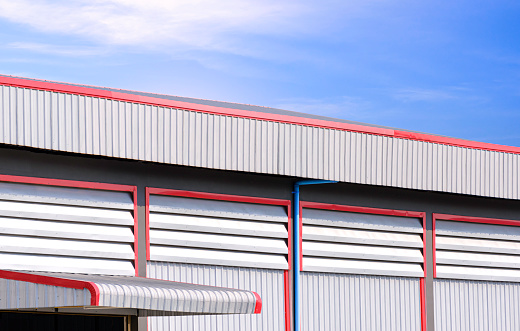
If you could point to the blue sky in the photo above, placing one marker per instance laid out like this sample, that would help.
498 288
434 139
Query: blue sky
443 67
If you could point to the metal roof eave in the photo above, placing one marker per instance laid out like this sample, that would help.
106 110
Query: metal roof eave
119 295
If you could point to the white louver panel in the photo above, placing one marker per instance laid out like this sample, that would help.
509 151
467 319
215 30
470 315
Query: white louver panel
466 250
61 229
355 243
201 231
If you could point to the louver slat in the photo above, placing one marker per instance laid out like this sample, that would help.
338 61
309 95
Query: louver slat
361 243
62 229
217 232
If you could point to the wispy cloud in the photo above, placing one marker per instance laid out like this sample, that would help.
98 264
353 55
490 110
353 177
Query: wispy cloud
188 24
419 94
75 51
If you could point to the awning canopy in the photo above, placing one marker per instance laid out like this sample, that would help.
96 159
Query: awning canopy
119 295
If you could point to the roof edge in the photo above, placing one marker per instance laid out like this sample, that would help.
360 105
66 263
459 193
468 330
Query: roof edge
126 97
54 281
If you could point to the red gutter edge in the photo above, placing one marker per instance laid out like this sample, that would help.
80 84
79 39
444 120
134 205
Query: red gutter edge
258 304
127 97
54 281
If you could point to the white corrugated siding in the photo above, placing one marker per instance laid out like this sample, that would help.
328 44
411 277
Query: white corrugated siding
19 295
466 250
59 229
462 305
217 232
81 124
356 243
356 302
269 284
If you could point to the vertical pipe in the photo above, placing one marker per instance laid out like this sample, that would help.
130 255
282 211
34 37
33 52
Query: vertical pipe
296 247
296 256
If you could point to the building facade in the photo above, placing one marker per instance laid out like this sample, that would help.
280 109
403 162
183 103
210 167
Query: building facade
417 232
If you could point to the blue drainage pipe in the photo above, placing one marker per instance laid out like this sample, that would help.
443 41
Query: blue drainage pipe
296 246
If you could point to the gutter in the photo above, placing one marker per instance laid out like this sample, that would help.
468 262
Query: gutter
297 246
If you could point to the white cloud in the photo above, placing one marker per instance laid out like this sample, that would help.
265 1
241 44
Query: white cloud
59 50
188 24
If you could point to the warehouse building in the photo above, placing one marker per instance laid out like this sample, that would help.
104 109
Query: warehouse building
124 210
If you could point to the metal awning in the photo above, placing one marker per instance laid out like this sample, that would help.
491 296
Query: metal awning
119 295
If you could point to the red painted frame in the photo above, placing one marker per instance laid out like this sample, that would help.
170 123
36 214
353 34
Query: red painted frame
87 185
459 218
128 97
376 211
234 198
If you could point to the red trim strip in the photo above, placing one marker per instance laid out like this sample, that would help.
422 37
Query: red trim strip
287 302
147 223
67 183
258 304
434 246
136 234
287 295
423 304
363 210
290 234
55 281
216 196
300 235
425 267
127 97
458 218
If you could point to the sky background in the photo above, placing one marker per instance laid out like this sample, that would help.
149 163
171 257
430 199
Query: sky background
444 67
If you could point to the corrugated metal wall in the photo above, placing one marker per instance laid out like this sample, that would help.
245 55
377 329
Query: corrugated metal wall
357 302
21 295
59 229
463 305
119 129
269 284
